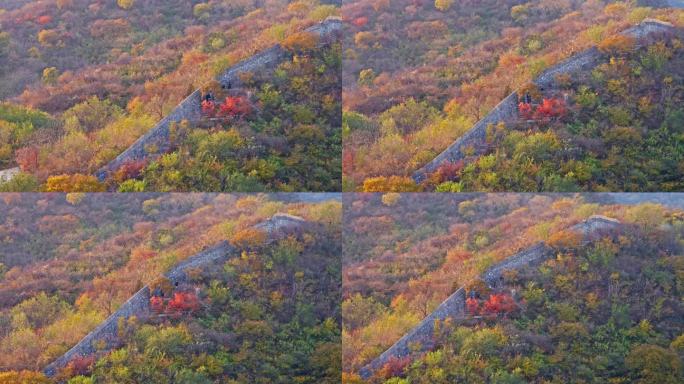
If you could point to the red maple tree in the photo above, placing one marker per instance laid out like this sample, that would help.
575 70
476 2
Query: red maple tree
45 19
183 302
395 366
209 108
235 106
498 303
472 306
131 169
360 21
550 108
81 365
157 304
525 110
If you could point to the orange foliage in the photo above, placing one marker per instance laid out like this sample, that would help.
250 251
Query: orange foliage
235 106
565 239
446 171
183 302
248 238
395 366
74 183
45 19
550 108
617 44
300 42
472 306
130 170
360 21
27 158
81 365
500 303
157 304
209 108
525 110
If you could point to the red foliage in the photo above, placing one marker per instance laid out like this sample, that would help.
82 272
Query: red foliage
472 306
130 170
395 366
27 158
81 365
208 108
348 160
45 19
183 302
157 304
360 21
448 171
498 303
525 110
237 106
550 108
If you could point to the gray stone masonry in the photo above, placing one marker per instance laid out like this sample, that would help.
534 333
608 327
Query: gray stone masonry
454 307
138 304
280 222
507 110
157 141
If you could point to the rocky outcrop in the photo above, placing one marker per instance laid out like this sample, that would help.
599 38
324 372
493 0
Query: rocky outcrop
474 140
421 337
104 337
158 139
8 174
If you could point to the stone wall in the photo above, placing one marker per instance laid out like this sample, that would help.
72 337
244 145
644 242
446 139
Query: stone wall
211 255
139 304
157 140
507 110
474 139
328 31
454 306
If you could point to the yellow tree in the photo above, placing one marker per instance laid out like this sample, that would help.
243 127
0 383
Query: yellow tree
125 4
443 5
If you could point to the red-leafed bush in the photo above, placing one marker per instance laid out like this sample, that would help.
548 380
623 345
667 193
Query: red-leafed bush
395 366
360 21
27 159
525 110
183 302
236 106
498 304
45 19
550 108
209 108
472 306
81 365
348 160
130 170
447 171
157 304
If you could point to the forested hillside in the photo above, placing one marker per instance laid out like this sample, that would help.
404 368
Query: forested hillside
69 261
616 128
405 254
419 74
83 79
286 137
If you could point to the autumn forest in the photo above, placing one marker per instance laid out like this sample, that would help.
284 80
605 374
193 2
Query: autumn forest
341 191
